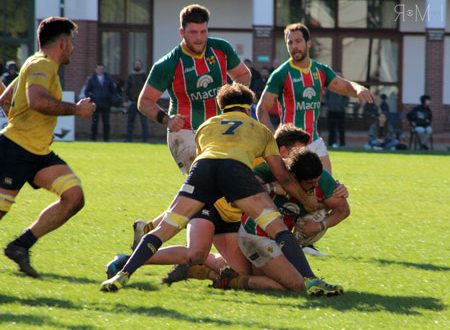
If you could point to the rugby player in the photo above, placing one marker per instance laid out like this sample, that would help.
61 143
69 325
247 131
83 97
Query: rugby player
192 73
25 154
226 146
298 85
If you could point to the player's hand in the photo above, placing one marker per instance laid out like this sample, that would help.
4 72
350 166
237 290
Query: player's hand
311 204
85 108
308 226
364 95
175 123
340 191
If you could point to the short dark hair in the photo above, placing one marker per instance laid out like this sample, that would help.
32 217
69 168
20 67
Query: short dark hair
52 27
297 27
304 164
423 98
235 94
288 135
194 14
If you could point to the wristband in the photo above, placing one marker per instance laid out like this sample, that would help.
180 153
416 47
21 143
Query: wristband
160 116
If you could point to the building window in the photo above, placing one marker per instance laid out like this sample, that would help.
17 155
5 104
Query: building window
370 59
111 52
16 31
372 14
125 32
318 13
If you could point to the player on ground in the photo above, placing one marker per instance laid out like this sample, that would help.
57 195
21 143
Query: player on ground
298 85
256 243
263 252
25 155
226 146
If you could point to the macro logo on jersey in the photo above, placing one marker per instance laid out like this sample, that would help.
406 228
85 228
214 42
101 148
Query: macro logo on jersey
292 207
204 81
309 93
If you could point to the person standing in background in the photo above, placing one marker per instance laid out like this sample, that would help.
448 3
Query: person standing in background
100 88
133 87
336 105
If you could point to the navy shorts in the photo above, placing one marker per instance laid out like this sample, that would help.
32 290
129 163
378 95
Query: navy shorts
18 165
220 226
211 179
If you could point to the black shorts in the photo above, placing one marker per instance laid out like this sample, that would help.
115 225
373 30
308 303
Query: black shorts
220 226
211 179
18 165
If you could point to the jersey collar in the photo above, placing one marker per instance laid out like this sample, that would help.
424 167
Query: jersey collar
189 53
302 70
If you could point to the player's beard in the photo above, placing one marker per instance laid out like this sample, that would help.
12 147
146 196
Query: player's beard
299 56
66 57
195 48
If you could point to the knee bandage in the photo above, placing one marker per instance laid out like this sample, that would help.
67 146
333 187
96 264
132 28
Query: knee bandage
266 217
175 220
6 201
64 183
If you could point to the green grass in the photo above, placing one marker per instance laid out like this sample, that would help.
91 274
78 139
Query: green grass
391 255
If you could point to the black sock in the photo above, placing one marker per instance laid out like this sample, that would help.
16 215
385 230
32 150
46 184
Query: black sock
294 253
146 248
26 240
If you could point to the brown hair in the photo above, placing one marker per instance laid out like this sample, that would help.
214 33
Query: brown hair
297 27
194 14
288 135
234 94
52 27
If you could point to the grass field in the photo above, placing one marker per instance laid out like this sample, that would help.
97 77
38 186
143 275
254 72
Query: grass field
391 255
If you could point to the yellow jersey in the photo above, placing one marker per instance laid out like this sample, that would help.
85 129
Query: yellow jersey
27 127
234 135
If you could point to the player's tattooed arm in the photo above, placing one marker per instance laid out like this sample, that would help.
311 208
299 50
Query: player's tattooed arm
40 100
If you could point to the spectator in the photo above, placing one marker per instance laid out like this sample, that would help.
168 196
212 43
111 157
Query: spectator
135 82
336 105
420 119
11 73
256 84
382 135
384 106
100 88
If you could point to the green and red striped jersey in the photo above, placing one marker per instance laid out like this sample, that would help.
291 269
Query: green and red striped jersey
290 208
300 93
193 81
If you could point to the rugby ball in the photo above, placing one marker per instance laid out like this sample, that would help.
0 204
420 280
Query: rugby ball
317 216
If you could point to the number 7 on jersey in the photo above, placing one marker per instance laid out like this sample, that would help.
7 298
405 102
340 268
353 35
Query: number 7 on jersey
234 124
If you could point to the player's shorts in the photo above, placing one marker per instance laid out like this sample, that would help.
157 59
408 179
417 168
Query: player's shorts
220 226
211 179
18 166
318 147
182 147
258 249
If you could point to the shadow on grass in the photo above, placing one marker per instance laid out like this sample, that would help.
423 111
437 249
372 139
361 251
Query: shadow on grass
362 302
67 278
118 308
20 319
176 315
413 265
